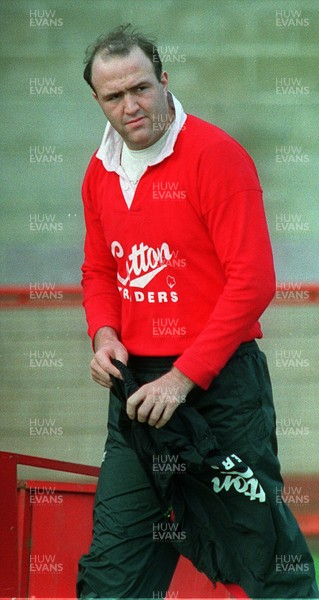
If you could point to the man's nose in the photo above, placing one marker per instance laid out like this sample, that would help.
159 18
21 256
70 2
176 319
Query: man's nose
130 104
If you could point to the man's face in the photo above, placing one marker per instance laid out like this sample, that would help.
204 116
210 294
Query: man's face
132 98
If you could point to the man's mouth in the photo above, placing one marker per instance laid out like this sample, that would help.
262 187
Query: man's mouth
135 121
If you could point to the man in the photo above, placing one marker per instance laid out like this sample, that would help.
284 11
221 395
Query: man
178 269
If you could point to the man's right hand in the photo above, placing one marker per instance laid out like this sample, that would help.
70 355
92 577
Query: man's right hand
107 346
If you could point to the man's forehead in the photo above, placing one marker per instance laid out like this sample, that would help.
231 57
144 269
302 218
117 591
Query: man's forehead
121 67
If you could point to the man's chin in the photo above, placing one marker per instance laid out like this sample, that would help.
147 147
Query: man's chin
140 140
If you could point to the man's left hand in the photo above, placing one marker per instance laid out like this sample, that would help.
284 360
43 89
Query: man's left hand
155 402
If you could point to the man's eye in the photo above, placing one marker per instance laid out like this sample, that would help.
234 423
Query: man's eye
112 98
141 88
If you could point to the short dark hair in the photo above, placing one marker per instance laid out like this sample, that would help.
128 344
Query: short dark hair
119 42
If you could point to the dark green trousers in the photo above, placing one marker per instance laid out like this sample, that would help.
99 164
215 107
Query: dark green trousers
126 559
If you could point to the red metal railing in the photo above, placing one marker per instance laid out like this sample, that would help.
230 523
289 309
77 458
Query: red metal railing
53 295
12 575
45 295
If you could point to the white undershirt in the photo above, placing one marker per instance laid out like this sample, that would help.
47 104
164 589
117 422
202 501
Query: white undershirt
135 163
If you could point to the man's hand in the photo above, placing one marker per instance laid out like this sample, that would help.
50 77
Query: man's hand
155 402
107 346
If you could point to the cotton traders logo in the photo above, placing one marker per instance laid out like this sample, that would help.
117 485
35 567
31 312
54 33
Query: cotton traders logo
142 259
233 473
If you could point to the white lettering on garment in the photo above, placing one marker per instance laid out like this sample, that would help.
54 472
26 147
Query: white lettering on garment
144 262
243 480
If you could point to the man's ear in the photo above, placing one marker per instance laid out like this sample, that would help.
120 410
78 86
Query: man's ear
94 95
164 80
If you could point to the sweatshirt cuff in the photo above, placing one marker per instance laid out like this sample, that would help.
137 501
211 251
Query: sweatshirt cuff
195 369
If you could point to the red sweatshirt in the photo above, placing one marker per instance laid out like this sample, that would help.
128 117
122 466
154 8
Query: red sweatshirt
188 269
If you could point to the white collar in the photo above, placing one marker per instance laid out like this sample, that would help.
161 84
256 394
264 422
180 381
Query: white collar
110 149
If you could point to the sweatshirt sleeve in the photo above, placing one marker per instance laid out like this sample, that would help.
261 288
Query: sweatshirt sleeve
101 298
238 229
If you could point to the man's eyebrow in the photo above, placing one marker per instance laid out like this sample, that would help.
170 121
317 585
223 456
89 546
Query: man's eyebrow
142 82
132 87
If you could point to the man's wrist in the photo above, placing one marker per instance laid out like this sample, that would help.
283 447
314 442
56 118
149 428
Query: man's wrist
183 380
103 336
